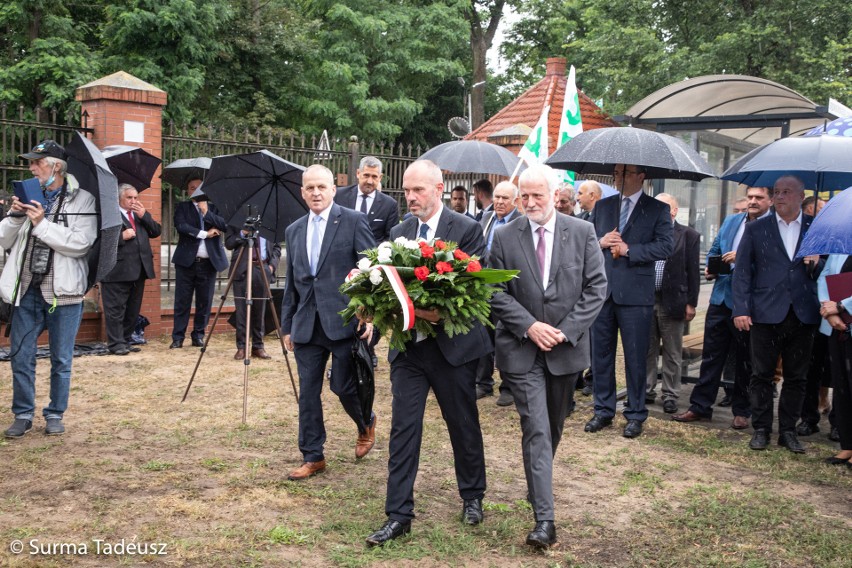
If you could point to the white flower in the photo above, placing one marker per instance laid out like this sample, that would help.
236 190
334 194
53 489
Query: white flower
411 245
401 241
385 255
376 277
386 244
352 274
364 264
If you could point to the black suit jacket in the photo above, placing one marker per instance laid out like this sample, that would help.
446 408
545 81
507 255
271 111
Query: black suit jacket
188 224
383 215
136 252
452 226
648 235
232 241
767 283
681 277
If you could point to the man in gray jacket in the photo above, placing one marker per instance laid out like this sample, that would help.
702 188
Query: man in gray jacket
543 319
45 279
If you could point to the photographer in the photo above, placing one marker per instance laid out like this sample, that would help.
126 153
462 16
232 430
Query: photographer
45 279
264 257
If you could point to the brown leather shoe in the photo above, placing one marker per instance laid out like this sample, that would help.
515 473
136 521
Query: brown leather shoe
306 470
260 353
739 423
688 416
240 354
366 441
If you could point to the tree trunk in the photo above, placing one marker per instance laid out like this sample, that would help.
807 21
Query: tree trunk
480 42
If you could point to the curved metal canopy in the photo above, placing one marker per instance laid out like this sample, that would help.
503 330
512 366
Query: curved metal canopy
751 109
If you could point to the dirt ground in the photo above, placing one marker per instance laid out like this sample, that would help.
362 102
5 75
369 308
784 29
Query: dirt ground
187 484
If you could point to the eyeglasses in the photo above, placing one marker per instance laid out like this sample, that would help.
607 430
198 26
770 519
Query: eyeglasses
625 172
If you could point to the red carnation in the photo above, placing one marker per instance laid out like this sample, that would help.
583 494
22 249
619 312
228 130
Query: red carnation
443 267
425 250
440 245
421 272
460 254
474 266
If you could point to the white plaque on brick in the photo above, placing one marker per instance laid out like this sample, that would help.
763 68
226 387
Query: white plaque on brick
134 131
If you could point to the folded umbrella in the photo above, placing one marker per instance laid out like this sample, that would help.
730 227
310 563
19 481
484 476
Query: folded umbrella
821 162
662 156
88 165
132 165
258 183
831 230
180 172
472 156
365 384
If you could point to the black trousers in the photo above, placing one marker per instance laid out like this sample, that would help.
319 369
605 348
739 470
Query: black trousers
720 337
792 340
413 372
122 302
258 309
198 280
819 375
840 355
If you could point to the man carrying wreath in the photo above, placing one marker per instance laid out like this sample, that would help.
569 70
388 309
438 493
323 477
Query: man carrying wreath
543 321
445 365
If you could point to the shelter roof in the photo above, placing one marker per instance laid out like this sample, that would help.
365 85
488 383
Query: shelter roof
751 109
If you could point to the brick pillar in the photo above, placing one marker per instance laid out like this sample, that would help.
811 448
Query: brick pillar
125 110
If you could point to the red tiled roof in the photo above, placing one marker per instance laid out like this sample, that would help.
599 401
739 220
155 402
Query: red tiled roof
526 109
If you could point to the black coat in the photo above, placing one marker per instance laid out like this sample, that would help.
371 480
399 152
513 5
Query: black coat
135 254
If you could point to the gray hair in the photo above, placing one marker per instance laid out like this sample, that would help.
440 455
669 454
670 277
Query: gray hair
370 162
63 165
668 198
568 189
594 187
507 183
327 172
540 170
123 187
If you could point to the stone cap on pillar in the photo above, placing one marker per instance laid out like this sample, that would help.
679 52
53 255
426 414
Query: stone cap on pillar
122 86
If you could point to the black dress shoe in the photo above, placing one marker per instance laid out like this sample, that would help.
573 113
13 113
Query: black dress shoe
389 531
197 342
790 441
133 349
472 511
834 434
727 400
597 423
836 461
633 429
806 429
482 392
669 406
176 344
120 351
543 535
759 440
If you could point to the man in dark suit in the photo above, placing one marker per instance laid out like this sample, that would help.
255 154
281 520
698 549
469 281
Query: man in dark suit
676 282
459 200
124 286
445 365
719 331
543 320
634 231
322 247
505 209
264 259
198 257
483 191
382 211
775 299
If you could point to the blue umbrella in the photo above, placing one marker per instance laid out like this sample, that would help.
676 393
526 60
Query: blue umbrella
822 162
837 127
831 231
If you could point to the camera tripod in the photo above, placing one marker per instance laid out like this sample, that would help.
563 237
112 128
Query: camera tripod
251 244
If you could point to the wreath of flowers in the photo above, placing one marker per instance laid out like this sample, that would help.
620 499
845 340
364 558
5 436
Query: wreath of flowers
436 274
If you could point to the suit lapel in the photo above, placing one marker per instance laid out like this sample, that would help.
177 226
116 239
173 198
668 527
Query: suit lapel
633 214
527 248
445 225
330 230
679 235
806 223
560 242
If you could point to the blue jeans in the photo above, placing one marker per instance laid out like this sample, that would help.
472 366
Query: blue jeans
31 317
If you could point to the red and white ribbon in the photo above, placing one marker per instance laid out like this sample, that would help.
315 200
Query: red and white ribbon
401 294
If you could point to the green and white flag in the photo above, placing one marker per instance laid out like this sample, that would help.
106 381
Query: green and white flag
535 149
571 123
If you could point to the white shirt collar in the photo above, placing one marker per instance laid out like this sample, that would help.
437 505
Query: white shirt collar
433 222
324 213
798 219
549 225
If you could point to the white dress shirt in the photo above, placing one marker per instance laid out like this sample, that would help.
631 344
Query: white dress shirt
549 231
790 233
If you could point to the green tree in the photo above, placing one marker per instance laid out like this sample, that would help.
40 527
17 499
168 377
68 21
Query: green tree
47 50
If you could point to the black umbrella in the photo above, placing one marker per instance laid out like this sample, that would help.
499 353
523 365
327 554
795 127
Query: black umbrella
180 172
822 162
132 165
662 156
362 363
88 165
259 183
472 156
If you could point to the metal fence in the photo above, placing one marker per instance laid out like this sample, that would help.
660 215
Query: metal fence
340 155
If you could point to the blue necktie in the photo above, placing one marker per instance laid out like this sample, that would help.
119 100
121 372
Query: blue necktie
315 245
625 209
424 231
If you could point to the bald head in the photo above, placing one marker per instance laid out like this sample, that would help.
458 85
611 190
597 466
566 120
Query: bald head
671 201
588 194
